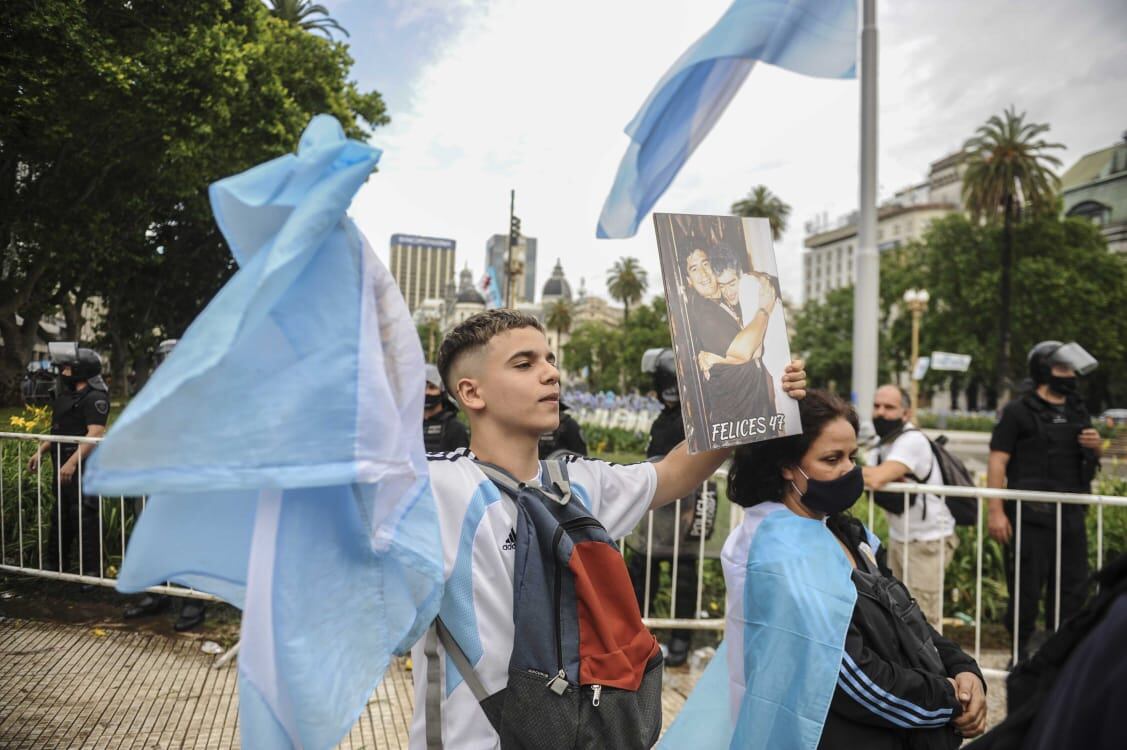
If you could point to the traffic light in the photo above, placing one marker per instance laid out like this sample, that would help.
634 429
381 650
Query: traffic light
514 231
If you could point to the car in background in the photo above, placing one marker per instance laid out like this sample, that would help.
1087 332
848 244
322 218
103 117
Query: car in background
1113 417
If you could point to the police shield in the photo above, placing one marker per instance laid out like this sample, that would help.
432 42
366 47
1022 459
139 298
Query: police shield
63 353
1075 357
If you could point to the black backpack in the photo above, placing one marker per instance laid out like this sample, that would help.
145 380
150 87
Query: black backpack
954 473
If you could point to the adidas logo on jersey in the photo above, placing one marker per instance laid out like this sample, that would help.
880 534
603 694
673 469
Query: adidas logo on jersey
510 541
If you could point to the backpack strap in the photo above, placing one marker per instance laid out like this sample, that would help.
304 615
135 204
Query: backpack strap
557 479
559 487
505 481
437 633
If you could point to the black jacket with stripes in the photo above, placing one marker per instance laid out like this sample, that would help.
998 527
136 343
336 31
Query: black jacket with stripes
887 696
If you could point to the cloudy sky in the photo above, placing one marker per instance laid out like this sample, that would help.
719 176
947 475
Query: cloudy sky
488 95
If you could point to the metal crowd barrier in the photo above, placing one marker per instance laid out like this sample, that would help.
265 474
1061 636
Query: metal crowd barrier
703 621
22 538
27 535
981 495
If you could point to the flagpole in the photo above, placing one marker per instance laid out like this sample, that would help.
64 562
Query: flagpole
866 290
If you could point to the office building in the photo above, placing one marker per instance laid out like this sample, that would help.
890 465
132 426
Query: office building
831 247
421 266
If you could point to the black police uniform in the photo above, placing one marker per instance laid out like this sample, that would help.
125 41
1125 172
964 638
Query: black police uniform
1045 454
666 432
443 432
567 437
72 412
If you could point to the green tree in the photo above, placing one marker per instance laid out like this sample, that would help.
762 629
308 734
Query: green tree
648 329
303 13
613 356
558 318
597 348
764 204
823 336
430 336
119 118
1072 289
1008 166
626 282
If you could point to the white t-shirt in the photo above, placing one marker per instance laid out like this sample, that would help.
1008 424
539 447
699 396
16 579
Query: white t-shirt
476 522
776 347
912 449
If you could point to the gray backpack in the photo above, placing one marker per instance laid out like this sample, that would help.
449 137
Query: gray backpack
584 672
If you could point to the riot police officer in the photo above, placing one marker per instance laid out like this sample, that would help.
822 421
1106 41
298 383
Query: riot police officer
697 513
442 431
80 408
1045 441
567 438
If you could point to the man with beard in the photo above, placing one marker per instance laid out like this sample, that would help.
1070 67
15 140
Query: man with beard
733 380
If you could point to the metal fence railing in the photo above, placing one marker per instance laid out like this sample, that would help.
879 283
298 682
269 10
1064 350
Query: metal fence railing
33 526
43 537
1057 499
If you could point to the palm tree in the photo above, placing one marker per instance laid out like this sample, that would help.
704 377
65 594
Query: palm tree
762 203
1006 167
301 12
626 282
558 318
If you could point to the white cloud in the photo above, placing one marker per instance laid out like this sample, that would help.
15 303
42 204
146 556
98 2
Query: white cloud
534 96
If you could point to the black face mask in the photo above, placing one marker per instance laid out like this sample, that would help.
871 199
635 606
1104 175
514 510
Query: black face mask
832 496
432 400
1062 386
885 427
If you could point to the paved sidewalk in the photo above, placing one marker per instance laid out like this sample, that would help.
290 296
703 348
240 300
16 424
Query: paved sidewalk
97 686
67 686
82 686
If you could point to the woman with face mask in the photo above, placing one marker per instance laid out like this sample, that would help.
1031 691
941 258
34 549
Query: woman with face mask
822 648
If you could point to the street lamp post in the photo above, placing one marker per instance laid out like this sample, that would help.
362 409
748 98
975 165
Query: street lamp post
916 300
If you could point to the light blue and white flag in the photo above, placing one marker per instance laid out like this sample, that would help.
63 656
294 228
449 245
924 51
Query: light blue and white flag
281 446
492 289
790 601
813 37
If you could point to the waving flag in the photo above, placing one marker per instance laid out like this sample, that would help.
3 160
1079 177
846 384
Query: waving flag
281 445
813 37
490 289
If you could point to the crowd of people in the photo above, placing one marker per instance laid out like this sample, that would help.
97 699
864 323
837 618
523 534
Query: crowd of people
831 641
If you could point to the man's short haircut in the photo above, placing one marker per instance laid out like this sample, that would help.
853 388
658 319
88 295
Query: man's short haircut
721 258
475 332
905 397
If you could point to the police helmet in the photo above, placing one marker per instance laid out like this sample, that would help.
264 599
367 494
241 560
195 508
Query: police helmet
663 366
1044 355
433 378
85 364
164 349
